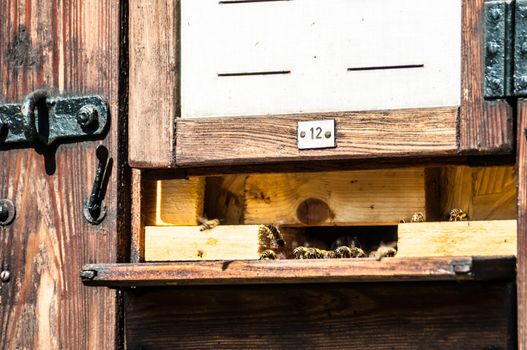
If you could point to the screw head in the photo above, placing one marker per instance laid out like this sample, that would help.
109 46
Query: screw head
87 116
327 134
495 14
302 134
522 82
5 276
493 48
7 212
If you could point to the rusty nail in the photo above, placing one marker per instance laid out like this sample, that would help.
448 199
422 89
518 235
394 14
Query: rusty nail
5 275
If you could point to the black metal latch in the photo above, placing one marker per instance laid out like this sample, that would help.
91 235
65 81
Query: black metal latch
42 121
506 48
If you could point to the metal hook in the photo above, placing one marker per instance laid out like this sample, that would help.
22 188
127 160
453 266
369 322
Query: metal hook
31 101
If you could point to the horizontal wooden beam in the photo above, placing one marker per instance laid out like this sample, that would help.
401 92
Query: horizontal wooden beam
359 135
298 271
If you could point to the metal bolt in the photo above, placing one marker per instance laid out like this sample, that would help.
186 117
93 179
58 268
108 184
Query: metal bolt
494 83
4 212
522 82
495 14
493 48
302 134
7 212
523 48
87 116
328 134
5 275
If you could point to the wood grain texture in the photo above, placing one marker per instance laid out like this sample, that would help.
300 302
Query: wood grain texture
256 140
470 238
350 316
154 82
174 202
484 126
521 279
71 48
371 197
189 243
137 244
484 193
300 271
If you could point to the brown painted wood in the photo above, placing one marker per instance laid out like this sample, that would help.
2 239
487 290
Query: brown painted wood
256 140
300 271
71 48
521 279
344 316
137 243
154 82
484 126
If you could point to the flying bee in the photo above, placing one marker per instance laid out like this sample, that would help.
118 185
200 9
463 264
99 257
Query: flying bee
384 250
457 215
299 252
207 224
272 232
268 255
418 217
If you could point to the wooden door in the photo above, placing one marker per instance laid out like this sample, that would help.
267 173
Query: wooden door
69 47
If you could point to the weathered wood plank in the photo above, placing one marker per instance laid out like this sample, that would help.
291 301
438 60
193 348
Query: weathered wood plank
300 271
154 82
350 316
373 197
472 238
71 48
521 279
255 140
484 126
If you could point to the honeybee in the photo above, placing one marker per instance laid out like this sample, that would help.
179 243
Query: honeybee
328 254
457 215
345 241
207 224
300 252
268 255
384 250
272 232
418 217
312 253
343 252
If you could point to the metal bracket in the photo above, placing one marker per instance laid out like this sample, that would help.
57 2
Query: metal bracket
42 121
498 38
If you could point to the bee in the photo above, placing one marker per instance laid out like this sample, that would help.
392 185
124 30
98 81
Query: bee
345 241
384 250
418 217
343 252
300 252
328 254
272 232
207 224
268 255
457 215
312 253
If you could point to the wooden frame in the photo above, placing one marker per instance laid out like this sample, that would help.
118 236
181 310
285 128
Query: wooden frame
159 139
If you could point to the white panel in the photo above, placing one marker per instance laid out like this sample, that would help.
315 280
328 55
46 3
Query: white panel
318 56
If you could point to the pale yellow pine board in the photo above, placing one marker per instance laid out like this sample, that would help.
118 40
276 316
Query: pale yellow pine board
175 202
465 238
354 197
188 243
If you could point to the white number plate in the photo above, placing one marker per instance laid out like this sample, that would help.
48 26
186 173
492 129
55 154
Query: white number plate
316 134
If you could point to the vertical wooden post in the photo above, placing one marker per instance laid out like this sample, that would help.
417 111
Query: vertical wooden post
522 225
